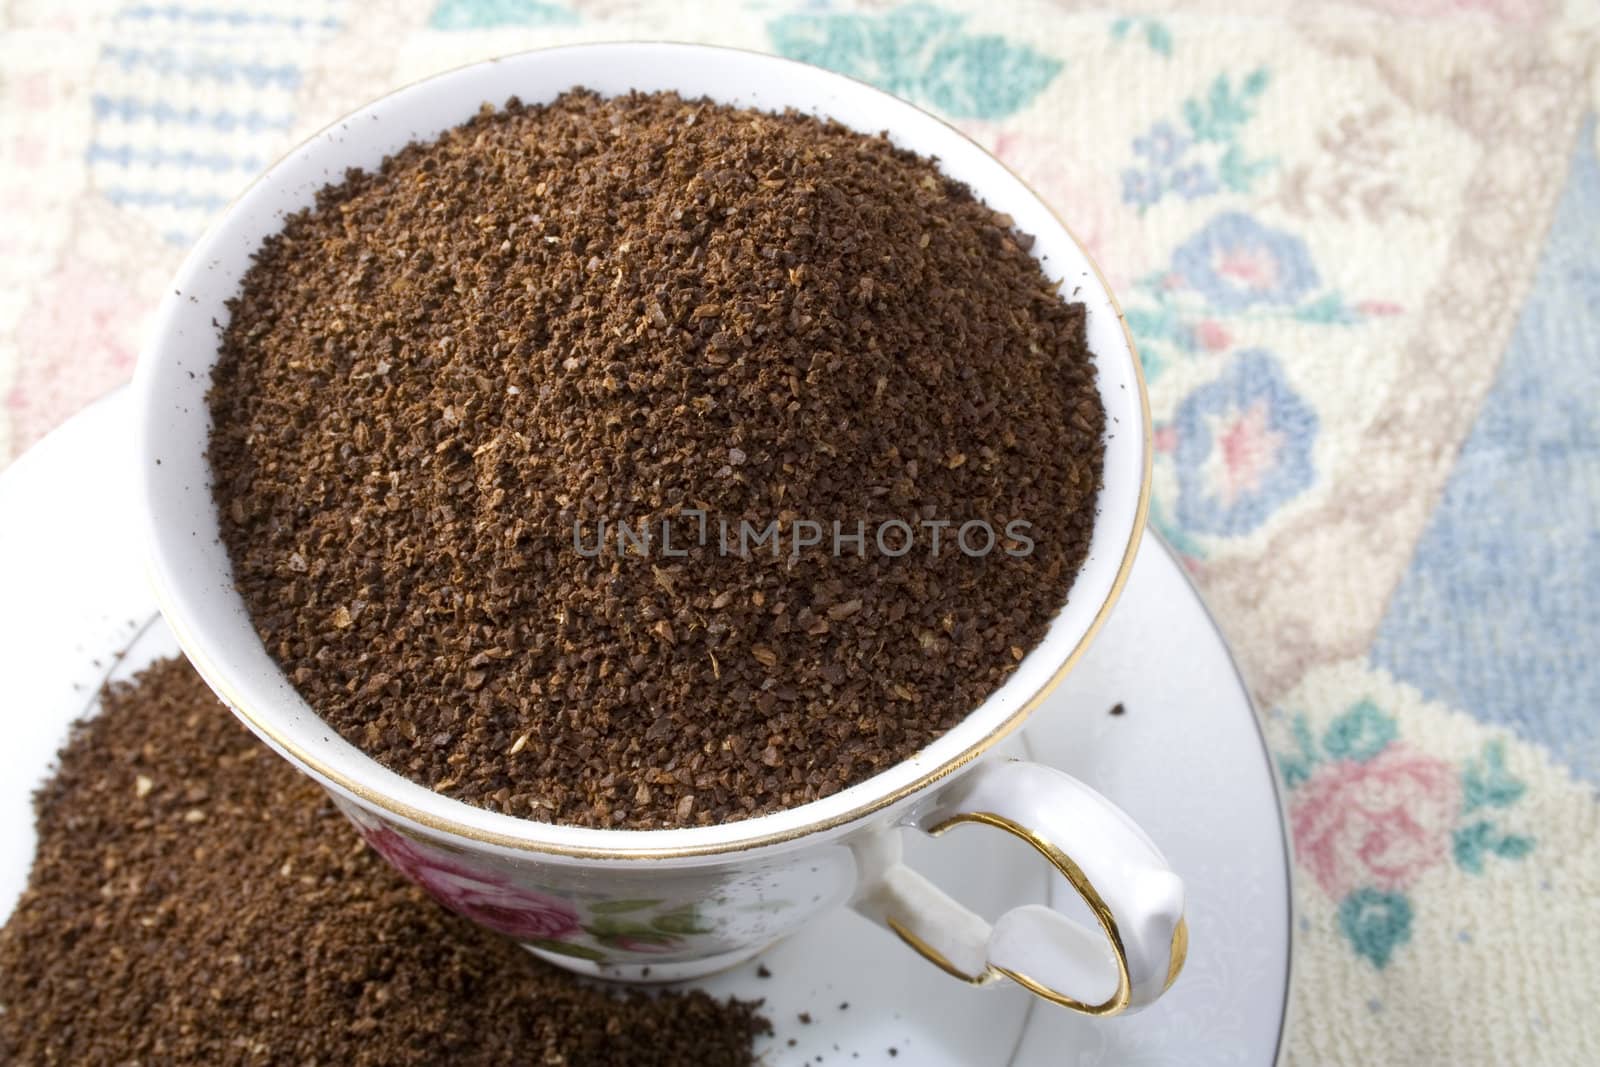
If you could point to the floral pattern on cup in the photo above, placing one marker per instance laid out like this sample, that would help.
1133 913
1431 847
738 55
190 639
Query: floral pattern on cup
466 889
597 929
1371 815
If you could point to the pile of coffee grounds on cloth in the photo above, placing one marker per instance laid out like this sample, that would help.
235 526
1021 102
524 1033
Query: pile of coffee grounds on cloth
437 383
195 900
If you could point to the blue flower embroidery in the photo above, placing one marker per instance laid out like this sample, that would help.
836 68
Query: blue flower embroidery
1191 183
1162 145
1236 262
1140 187
1243 447
1206 157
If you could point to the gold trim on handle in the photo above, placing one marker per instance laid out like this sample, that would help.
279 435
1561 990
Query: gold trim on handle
937 958
1180 952
1118 1002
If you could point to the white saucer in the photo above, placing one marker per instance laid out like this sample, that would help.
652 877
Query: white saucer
1184 758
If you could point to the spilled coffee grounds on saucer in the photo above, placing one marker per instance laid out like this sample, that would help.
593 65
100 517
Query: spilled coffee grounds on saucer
196 900
533 450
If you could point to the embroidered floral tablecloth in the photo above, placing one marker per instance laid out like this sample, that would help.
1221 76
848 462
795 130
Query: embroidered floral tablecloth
1359 245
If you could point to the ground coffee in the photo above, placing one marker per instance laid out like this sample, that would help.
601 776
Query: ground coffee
195 900
857 425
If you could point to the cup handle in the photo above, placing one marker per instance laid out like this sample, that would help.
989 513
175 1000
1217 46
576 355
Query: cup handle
1124 964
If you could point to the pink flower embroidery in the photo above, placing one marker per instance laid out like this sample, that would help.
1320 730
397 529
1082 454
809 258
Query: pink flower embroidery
1378 823
32 91
1252 267
1247 449
1243 447
1211 335
29 152
1236 263
1084 202
483 897
76 343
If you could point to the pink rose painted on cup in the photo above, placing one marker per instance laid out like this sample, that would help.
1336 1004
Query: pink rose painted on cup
481 896
1379 822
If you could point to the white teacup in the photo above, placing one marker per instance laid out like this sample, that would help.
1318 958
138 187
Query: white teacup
677 904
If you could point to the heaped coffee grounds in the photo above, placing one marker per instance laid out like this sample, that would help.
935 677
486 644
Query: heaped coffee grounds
645 462
195 900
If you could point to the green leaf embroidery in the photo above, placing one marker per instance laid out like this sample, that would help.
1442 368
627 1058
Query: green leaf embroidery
1375 923
1174 535
1156 34
484 14
1158 37
1151 360
1326 309
1471 843
1207 159
1225 111
1360 733
919 51
1146 323
1297 768
1485 782
1513 846
1238 174
1219 119
986 77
